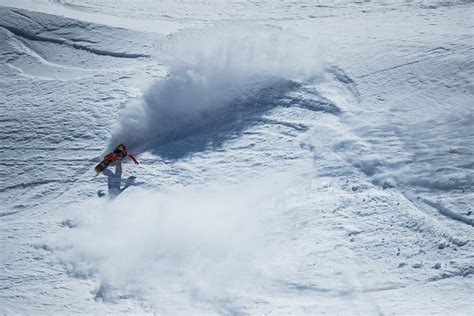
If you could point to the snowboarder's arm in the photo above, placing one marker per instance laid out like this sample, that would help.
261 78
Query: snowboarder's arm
133 158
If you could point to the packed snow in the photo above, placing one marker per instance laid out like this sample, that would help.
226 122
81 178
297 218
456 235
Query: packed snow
304 157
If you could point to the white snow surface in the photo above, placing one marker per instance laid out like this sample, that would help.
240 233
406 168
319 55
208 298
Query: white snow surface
303 157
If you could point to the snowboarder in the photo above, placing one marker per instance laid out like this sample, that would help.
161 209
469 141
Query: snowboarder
118 154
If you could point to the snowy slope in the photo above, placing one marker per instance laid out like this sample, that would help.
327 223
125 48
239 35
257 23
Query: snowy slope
295 157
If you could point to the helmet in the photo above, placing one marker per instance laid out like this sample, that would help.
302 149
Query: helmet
120 150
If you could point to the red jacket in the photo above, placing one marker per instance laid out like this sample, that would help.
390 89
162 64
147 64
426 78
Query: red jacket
114 157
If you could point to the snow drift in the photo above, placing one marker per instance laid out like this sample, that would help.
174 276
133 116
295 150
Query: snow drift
216 76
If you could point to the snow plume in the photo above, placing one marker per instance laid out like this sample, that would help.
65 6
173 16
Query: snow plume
212 72
177 249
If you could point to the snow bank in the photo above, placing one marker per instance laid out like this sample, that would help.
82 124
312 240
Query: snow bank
173 248
211 73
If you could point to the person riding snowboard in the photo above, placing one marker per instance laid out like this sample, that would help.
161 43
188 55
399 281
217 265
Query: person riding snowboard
118 154
121 152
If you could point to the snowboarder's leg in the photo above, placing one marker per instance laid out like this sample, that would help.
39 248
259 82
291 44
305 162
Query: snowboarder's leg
118 170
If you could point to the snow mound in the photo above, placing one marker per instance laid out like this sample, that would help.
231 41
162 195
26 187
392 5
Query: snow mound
92 38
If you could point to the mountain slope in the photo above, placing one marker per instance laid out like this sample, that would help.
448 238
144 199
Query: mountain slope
276 175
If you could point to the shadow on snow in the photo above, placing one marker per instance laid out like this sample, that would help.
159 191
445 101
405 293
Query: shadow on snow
213 127
114 181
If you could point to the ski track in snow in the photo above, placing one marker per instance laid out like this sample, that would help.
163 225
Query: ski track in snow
334 180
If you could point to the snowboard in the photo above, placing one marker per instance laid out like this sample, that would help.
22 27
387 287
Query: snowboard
108 159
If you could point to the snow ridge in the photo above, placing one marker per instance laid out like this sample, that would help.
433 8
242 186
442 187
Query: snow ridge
101 52
45 28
